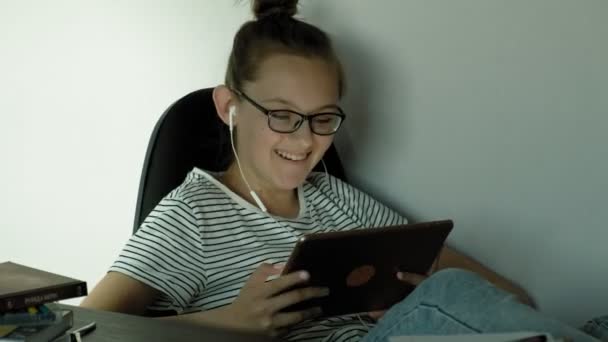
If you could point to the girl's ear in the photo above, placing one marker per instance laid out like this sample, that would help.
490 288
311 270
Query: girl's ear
224 100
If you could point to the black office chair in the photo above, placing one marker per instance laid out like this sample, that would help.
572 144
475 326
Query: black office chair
189 134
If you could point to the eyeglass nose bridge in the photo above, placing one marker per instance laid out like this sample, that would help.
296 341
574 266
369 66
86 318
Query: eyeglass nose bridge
301 121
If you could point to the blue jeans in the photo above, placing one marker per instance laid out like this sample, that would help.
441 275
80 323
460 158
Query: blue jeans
454 301
597 327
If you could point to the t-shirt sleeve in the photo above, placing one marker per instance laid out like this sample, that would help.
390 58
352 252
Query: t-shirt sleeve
164 253
370 212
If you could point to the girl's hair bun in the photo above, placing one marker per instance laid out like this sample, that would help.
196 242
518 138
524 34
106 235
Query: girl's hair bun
267 8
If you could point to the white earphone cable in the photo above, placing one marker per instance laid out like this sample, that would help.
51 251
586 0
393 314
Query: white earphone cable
257 199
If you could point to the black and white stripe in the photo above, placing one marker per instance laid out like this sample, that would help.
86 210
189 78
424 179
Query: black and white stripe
202 242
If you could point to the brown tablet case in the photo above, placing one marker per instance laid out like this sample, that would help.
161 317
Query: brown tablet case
360 266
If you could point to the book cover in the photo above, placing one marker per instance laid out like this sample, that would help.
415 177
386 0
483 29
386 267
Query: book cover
41 332
520 336
22 287
40 314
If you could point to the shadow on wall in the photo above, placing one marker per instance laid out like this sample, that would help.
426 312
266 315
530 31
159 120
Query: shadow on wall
356 100
372 77
372 122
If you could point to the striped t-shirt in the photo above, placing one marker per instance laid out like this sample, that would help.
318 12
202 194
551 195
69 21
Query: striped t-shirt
202 242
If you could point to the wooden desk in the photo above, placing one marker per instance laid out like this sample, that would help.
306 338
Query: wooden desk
118 327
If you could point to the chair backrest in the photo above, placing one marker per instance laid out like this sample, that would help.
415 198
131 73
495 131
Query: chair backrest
190 134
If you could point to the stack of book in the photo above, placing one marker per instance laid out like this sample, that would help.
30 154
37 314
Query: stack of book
24 293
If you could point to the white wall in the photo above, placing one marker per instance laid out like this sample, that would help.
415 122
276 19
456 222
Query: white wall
82 84
492 113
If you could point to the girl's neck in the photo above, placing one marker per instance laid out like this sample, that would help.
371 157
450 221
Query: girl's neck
282 203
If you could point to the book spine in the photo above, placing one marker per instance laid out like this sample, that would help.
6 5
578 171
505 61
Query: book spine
42 296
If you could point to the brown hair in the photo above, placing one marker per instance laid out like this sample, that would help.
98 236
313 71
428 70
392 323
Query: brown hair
275 30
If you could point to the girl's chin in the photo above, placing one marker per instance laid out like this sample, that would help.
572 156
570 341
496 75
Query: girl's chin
290 182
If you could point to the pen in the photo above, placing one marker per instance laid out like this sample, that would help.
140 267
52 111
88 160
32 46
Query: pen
76 335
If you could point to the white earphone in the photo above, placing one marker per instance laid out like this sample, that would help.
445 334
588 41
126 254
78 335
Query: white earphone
231 114
256 198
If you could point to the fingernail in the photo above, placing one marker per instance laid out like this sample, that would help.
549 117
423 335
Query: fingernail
279 266
400 275
304 275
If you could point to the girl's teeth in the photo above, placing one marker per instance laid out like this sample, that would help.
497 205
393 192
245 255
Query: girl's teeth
291 156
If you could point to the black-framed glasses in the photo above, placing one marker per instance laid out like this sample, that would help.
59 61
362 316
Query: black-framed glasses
289 121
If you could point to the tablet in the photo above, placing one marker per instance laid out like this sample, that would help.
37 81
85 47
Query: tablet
359 266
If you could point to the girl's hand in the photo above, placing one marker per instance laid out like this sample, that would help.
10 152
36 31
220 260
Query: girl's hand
408 278
258 305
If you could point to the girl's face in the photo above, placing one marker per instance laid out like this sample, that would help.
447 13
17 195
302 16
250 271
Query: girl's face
282 161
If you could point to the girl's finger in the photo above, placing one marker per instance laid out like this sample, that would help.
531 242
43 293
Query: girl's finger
411 278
